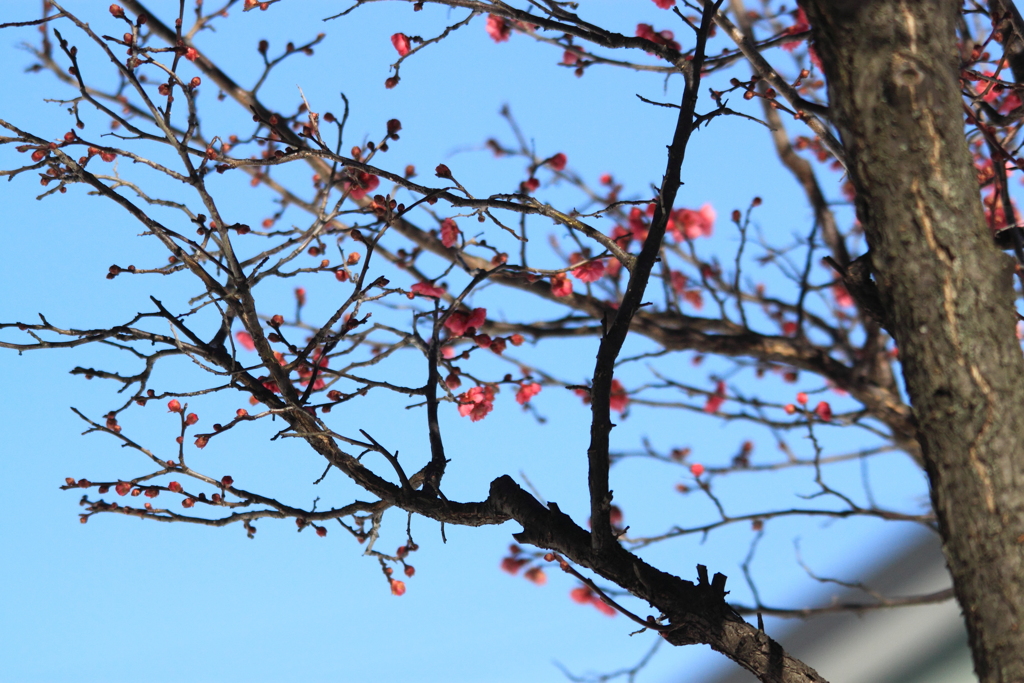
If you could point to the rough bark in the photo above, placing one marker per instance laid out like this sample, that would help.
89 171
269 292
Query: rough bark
892 69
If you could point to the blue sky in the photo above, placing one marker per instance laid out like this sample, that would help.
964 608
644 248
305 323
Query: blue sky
118 599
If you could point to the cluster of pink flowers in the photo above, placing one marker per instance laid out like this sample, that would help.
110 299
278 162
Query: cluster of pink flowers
526 391
665 37
682 224
691 224
515 561
459 322
477 402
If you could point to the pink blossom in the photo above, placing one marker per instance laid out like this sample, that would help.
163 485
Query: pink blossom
363 183
512 565
558 162
477 402
800 26
824 411
1011 102
716 399
815 59
638 224
660 37
526 392
842 296
245 340
460 321
689 224
536 575
584 595
401 43
665 4
587 272
449 233
497 28
694 298
618 399
425 289
678 282
622 236
561 285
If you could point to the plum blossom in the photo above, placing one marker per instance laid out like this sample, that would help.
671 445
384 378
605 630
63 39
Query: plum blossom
561 285
716 399
536 575
618 399
800 26
842 296
476 403
660 37
497 28
527 390
426 289
401 43
591 271
362 184
449 233
460 321
690 224
584 595
245 340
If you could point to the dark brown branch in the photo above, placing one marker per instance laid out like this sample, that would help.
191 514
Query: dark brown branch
611 342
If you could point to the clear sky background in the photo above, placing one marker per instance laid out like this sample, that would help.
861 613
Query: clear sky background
119 599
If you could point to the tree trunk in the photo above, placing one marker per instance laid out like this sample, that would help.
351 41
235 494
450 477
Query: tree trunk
893 69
